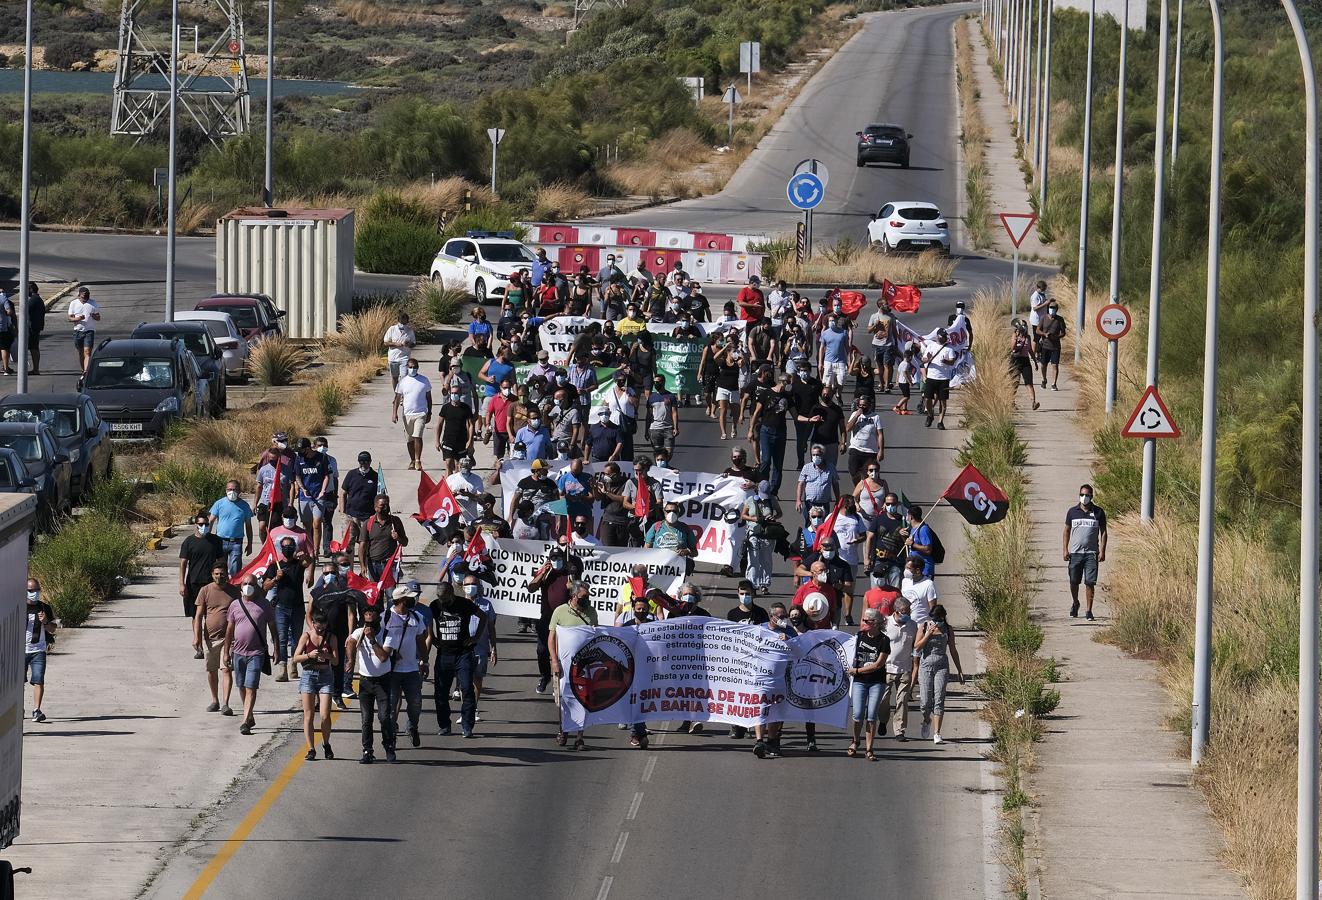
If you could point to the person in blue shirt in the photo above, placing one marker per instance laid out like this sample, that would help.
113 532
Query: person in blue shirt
535 437
577 491
920 540
479 330
540 267
833 355
230 519
313 486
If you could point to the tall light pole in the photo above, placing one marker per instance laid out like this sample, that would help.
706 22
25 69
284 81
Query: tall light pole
1175 103
174 143
1112 353
25 211
1148 499
1025 58
1045 137
268 186
1037 87
1081 310
1306 825
1202 651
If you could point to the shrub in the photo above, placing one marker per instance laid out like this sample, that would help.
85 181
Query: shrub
485 23
361 333
96 548
495 217
273 361
70 596
195 482
113 497
557 202
331 399
395 246
68 51
436 304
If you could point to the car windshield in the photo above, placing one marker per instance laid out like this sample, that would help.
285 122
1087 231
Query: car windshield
130 373
243 316
507 253
919 213
195 341
63 420
27 446
886 132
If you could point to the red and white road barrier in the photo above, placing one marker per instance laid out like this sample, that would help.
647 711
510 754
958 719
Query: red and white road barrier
707 256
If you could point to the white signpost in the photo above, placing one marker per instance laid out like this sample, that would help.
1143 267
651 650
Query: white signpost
495 135
1017 226
732 97
750 60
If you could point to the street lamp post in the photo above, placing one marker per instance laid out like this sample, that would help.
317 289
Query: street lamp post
1147 501
1045 137
1175 102
1112 352
1202 653
174 143
1081 311
1037 86
25 210
268 186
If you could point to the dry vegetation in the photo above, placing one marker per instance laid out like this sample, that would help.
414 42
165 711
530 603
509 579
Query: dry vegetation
861 266
560 201
665 170
973 142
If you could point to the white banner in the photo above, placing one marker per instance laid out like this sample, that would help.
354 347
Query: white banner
702 670
559 333
605 569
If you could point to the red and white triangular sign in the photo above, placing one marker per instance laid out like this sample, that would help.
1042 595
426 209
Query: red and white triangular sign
1017 225
1151 418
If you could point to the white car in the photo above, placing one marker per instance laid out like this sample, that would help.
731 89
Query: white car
909 225
481 262
227 337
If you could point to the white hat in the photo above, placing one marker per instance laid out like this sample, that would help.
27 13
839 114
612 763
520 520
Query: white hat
816 606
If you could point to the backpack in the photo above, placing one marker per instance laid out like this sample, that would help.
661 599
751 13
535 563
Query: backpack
938 553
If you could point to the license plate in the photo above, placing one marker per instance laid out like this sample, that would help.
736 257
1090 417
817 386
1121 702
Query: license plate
920 243
125 426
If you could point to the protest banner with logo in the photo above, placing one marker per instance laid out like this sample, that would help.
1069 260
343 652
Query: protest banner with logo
702 670
557 336
677 359
605 569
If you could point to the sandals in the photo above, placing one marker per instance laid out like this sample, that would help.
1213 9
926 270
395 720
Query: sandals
872 757
580 744
852 748
561 738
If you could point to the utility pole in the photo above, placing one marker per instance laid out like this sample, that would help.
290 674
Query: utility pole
1179 60
1081 311
25 207
268 187
495 135
1112 361
171 186
1045 137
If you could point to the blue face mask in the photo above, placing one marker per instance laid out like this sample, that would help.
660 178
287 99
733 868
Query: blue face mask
905 619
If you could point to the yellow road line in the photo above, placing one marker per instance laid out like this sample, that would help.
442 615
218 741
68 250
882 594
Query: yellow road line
250 821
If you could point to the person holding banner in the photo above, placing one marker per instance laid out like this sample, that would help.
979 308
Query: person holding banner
867 438
617 494
871 651
672 534
940 360
577 612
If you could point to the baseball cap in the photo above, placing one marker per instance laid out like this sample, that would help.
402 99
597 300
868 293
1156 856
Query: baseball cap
538 465
407 589
280 436
542 354
364 457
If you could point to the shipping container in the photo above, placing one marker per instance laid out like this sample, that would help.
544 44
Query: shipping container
301 258
17 517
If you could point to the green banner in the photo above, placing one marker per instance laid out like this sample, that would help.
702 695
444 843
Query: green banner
605 376
677 359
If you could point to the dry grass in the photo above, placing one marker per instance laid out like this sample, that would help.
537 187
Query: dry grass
369 14
861 266
445 198
973 142
192 216
645 179
360 334
558 202
274 361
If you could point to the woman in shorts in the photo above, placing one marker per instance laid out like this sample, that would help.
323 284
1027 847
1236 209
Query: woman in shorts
1021 358
905 373
317 654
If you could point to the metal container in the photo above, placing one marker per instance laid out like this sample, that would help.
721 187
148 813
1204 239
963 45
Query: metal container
301 258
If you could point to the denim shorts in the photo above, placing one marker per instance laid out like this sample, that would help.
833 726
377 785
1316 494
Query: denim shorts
34 664
316 681
84 339
480 661
247 670
1083 568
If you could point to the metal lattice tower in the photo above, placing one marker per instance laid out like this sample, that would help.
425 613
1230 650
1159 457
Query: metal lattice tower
219 105
582 7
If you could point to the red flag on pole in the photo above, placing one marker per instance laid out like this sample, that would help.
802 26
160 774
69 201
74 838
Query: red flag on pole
852 303
342 545
475 554
827 527
265 556
373 590
438 510
642 502
975 498
901 297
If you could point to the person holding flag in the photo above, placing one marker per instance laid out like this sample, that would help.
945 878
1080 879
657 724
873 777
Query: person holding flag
383 535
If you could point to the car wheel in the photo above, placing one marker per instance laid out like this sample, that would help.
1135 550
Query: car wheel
436 278
480 292
904 164
886 245
862 165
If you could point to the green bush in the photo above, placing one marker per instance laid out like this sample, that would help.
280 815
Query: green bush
331 399
395 246
273 362
67 51
113 497
200 484
495 217
97 548
71 596
437 305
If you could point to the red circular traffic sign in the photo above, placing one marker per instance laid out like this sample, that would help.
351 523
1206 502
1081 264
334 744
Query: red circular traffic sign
234 46
1114 321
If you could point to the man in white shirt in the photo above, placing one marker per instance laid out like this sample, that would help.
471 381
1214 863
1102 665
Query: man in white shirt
364 648
901 669
84 314
918 589
413 398
777 303
466 488
400 340
940 360
867 438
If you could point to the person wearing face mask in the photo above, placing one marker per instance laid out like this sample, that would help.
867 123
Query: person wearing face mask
213 605
408 640
551 580
535 437
400 339
578 611
850 534
769 410
818 485
1083 546
1021 360
827 421
197 553
663 417
605 441
919 589
871 651
867 438
245 651
833 351
467 488
536 487
575 487
337 603
383 534
935 646
746 611
317 654
454 430
283 583
331 499
901 670
805 541
921 541
884 549
230 519
567 419
364 649
1050 332
817 585
939 361
357 499
314 481
761 514
497 421
38 637
413 397
869 495
452 615
270 499
672 534
483 632
289 528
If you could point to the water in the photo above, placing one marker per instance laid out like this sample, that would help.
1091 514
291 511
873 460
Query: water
48 82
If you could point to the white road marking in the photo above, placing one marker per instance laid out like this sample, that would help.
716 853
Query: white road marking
605 888
647 772
619 847
633 807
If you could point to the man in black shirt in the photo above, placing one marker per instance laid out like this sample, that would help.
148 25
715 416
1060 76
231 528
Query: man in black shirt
773 402
333 599
537 487
358 493
383 534
457 626
748 612
827 417
196 554
283 583
488 520
454 429
884 551
869 673
805 390
739 467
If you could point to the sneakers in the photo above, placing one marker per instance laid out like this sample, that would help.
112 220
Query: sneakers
901 738
695 728
367 758
455 695
311 754
561 738
773 750
634 742
245 728
849 620
1036 405
580 744
1054 388
327 752
726 571
415 737
198 654
281 672
213 706
445 732
1088 615
622 727
936 738
760 750
927 729
812 746
390 755
1044 382
38 716
347 694
940 426
468 734
339 703
226 711
541 685
928 423
1074 610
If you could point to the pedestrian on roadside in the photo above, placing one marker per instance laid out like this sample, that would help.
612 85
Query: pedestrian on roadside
36 325
358 494
230 519
901 670
365 650
330 500
245 651
935 645
413 398
871 651
283 583
451 618
400 339
1050 338
1021 359
1083 546
408 641
197 552
84 314
455 424
382 534
209 624
39 636
8 328
319 657
578 611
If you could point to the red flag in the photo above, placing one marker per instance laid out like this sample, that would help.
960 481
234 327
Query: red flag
642 502
827 527
425 489
437 507
475 554
259 563
278 488
372 590
342 545
852 303
975 498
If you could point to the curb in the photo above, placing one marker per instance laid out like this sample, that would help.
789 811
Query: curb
815 286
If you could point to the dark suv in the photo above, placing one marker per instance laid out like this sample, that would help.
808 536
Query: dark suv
46 464
199 342
77 427
140 386
883 143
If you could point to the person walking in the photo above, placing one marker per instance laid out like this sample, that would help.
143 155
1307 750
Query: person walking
484 637
400 339
871 651
209 624
84 313
330 500
230 519
358 493
918 589
1083 545
451 618
283 583
867 439
197 552
1021 359
935 645
901 670
337 603
39 636
245 651
8 328
552 581
365 651
36 325
408 642
882 328
382 534
1050 338
313 486
413 398
819 485
578 611
940 361
319 657
762 515
771 403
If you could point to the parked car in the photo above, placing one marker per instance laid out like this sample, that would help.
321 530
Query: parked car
227 337
141 385
255 314
46 464
197 340
78 428
481 262
883 143
909 225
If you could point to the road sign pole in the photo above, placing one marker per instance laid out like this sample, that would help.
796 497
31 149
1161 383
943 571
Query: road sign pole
174 144
1044 137
1117 201
807 242
1112 371
493 166
1202 653
1081 311
1014 285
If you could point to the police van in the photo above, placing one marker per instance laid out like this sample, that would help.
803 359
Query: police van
481 262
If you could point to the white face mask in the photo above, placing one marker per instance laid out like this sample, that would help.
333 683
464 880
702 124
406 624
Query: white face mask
281 445
203 529
817 459
34 596
249 590
744 599
828 554
821 577
290 523
1085 499
364 469
672 517
232 496
557 564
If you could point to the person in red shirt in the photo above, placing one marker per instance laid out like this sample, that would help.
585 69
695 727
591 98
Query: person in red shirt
498 412
752 303
817 585
882 599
